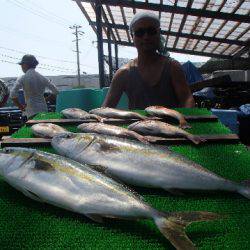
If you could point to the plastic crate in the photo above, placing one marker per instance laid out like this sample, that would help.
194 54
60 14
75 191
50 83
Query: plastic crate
228 117
85 99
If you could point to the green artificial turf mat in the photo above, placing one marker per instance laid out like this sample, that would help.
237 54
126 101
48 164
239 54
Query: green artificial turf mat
25 223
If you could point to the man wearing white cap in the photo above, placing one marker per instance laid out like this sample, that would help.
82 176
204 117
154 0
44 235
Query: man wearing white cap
33 85
151 78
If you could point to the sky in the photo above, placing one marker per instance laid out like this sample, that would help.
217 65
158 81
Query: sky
41 28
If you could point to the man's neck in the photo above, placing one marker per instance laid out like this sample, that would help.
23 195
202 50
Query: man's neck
147 58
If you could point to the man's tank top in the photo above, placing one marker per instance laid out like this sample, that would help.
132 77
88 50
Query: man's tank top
141 95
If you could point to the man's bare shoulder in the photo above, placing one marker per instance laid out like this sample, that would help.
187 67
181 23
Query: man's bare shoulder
123 72
175 64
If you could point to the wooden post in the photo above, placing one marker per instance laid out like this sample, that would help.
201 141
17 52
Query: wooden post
110 57
116 57
98 12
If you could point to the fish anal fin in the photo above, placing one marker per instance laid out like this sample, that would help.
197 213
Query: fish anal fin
245 189
95 217
246 183
175 191
32 195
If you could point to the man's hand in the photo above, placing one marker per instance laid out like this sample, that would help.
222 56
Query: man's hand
22 107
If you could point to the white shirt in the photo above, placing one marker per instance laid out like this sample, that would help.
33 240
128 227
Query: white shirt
33 85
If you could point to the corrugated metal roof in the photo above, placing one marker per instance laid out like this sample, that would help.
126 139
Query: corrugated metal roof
214 28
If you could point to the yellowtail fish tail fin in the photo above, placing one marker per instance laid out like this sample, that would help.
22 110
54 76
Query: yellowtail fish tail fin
184 124
195 138
143 139
96 117
245 189
137 136
172 226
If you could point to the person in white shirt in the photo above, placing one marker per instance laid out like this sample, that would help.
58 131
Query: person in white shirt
33 85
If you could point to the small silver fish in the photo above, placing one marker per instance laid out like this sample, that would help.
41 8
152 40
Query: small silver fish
117 113
160 111
73 186
47 130
152 127
76 113
106 129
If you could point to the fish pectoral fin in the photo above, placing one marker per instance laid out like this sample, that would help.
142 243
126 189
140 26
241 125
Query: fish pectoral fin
175 191
95 217
104 170
99 168
32 195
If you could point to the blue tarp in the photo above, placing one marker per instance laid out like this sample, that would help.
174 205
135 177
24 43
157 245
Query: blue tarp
245 110
191 72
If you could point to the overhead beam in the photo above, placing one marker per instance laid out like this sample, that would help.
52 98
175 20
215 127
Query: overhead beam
175 10
184 35
183 51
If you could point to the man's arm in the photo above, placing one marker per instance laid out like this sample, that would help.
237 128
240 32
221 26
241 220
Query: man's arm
116 88
51 97
51 86
180 85
14 94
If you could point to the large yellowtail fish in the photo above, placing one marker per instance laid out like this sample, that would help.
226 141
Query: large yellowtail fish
143 165
73 186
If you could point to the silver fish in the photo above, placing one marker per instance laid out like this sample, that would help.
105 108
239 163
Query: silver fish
141 164
106 129
76 113
47 130
117 113
152 127
160 111
67 184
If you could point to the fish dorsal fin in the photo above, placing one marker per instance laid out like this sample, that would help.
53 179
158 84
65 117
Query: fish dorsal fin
32 195
95 217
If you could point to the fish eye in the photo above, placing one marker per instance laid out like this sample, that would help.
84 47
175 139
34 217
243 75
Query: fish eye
68 135
7 150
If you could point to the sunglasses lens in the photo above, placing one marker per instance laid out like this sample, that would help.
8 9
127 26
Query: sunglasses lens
151 31
141 32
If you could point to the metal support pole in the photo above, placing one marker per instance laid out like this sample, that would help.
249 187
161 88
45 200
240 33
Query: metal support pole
98 12
110 57
78 59
76 33
116 57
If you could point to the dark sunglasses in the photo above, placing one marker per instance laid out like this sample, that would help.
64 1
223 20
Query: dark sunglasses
151 31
